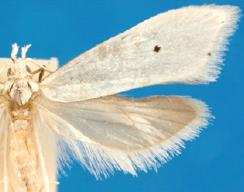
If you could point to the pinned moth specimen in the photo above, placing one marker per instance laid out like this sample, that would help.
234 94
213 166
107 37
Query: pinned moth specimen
49 115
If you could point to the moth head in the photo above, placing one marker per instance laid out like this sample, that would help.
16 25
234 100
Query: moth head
23 67
19 66
19 86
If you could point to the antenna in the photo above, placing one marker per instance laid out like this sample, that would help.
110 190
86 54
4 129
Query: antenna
15 49
24 50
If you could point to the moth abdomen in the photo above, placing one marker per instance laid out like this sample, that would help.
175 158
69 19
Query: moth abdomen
22 151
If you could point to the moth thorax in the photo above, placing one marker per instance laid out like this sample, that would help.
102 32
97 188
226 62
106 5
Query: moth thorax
23 112
20 91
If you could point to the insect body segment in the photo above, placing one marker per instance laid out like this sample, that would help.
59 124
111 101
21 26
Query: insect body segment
21 90
20 85
23 153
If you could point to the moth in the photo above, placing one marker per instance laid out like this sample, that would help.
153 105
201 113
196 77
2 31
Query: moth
50 115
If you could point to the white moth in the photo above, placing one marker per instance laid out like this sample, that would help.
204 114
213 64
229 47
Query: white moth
48 114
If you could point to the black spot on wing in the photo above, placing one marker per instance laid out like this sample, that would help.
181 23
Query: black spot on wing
156 48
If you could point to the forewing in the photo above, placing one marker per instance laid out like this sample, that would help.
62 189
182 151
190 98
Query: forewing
180 46
125 134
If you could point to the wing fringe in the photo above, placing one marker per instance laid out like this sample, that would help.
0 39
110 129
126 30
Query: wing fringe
221 44
101 161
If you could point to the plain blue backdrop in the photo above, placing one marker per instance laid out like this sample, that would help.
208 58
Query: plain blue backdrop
65 28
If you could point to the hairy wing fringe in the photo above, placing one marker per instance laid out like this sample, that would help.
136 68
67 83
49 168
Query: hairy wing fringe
102 160
221 43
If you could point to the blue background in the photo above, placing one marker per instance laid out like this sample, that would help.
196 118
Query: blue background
65 28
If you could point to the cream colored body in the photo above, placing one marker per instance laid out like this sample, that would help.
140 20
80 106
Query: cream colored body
28 171
23 153
24 169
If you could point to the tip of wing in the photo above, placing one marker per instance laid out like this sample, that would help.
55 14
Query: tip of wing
155 157
231 16
203 116
107 160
